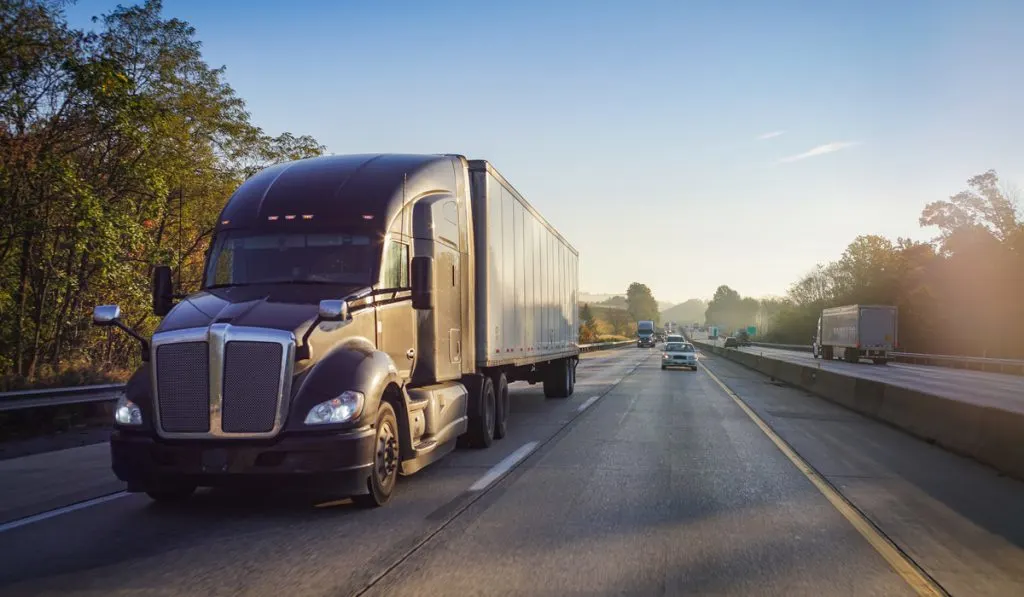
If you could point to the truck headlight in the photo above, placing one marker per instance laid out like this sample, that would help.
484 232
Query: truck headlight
127 412
664 355
344 408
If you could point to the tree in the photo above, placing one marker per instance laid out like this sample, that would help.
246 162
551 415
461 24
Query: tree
727 308
117 150
983 205
641 304
588 325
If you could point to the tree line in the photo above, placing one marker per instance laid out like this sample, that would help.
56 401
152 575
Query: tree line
961 293
118 148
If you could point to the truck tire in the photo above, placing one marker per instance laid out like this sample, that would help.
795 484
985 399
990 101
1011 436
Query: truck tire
384 473
558 380
501 405
171 494
880 361
480 433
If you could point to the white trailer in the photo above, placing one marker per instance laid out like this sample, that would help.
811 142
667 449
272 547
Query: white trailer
526 278
855 332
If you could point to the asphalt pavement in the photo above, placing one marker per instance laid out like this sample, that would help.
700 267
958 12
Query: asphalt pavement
645 482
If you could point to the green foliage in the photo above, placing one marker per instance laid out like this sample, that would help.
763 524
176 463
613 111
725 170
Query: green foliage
959 294
588 325
117 151
640 303
729 310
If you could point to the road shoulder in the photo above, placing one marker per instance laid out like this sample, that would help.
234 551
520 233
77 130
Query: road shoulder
958 520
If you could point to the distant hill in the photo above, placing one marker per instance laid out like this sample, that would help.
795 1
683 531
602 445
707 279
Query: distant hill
614 301
593 297
691 311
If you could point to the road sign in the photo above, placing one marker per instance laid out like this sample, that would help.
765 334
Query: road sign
751 330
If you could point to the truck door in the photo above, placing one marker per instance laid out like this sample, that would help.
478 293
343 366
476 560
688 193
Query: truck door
396 320
436 233
448 290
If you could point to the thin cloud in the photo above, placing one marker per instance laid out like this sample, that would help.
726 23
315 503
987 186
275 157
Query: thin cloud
819 150
770 135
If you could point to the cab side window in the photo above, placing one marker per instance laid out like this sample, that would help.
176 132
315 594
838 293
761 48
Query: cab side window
396 266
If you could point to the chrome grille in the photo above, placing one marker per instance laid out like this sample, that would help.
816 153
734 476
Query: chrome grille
252 378
222 381
183 385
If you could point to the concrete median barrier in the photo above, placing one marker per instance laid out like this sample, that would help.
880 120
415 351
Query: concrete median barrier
990 435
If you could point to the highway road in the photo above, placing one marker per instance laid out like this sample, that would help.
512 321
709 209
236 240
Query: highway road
646 482
999 390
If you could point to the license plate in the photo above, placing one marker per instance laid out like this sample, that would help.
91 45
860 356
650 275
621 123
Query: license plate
215 460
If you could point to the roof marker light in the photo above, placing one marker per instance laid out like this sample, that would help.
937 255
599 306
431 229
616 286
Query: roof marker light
225 222
273 218
307 216
290 217
367 216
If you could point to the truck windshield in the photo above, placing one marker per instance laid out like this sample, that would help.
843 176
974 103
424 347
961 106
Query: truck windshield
240 258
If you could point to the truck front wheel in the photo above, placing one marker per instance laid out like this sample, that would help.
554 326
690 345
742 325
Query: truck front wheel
384 473
480 413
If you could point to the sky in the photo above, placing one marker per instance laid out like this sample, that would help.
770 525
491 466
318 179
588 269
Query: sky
680 144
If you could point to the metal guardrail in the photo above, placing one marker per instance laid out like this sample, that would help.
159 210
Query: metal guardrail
796 347
603 345
28 399
59 396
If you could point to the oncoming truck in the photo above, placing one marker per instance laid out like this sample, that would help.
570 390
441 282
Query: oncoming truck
359 316
645 333
856 332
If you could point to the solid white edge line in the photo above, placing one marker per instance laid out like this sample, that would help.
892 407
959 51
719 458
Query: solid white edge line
503 467
587 404
14 524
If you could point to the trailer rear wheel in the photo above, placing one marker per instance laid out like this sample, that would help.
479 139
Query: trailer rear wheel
501 405
880 361
558 379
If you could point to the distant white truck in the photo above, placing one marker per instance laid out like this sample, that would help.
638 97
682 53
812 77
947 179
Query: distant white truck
856 332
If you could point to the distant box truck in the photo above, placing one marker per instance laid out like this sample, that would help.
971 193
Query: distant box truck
645 333
358 316
856 332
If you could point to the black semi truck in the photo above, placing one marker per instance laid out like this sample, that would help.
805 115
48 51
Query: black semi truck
359 316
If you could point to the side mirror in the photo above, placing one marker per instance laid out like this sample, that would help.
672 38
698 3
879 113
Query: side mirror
333 310
110 315
422 282
163 290
329 310
104 315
